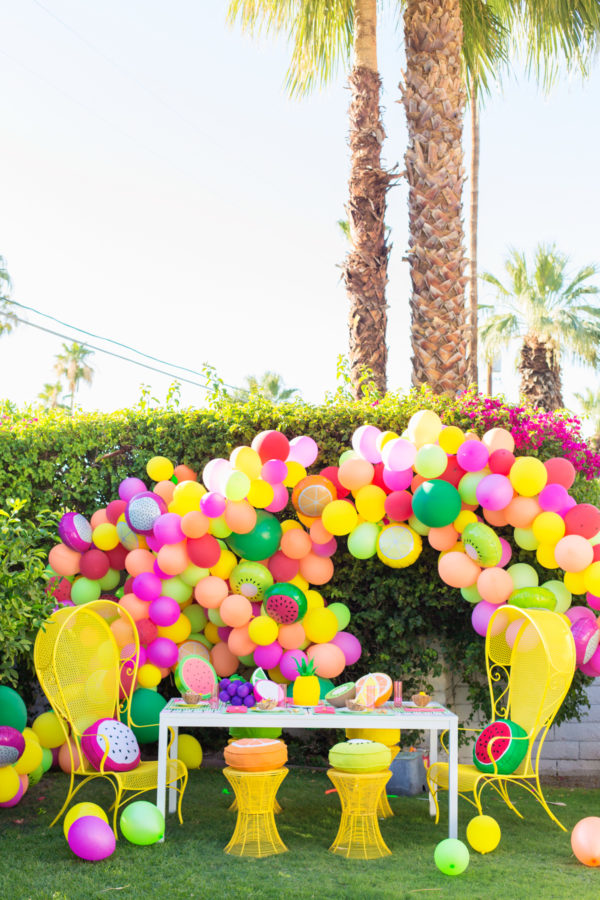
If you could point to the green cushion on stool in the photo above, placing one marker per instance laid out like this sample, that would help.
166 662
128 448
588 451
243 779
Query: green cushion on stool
358 756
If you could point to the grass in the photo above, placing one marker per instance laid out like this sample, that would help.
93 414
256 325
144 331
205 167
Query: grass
534 858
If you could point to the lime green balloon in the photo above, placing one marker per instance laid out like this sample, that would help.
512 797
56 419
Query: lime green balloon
342 614
237 487
193 574
430 461
418 526
526 539
177 589
196 615
523 575
215 617
46 762
451 856
362 540
348 454
13 711
563 595
36 775
110 581
467 486
247 660
199 636
142 823
84 590
219 527
471 594
146 706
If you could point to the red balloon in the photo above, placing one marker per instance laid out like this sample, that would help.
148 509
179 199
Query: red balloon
453 472
500 462
583 519
560 471
147 631
271 445
204 551
94 564
282 568
378 477
115 509
116 557
331 472
398 505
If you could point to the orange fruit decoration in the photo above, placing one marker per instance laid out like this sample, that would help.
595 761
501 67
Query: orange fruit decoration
377 683
256 754
312 494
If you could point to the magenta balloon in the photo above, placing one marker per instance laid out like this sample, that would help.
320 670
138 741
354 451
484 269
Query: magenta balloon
163 652
579 612
569 503
91 838
129 487
472 455
303 450
280 498
494 492
481 615
553 497
349 645
147 586
167 529
164 611
592 666
327 549
158 571
268 657
287 666
592 600
273 471
506 553
397 481
213 504
224 631
128 654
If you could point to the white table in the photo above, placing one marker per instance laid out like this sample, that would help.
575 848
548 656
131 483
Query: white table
433 719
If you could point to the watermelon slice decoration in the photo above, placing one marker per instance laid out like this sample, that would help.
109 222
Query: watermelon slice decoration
195 674
507 752
285 603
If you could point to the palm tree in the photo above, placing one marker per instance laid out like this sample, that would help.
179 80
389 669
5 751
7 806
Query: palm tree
323 32
270 385
8 319
49 395
72 363
547 310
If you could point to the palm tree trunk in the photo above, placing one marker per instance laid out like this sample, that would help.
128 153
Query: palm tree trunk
433 95
365 267
472 373
539 366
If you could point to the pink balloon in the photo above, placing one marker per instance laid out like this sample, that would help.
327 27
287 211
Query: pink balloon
579 612
303 450
553 497
274 471
592 666
349 645
593 601
481 615
147 586
398 454
167 529
129 487
364 441
213 504
224 631
506 553
164 611
494 492
327 549
287 666
280 498
472 455
397 481
163 652
269 656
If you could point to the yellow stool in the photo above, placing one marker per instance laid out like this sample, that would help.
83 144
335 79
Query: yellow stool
276 806
255 831
359 836
384 810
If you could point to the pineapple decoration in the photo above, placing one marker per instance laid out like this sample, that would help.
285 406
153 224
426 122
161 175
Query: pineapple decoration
306 685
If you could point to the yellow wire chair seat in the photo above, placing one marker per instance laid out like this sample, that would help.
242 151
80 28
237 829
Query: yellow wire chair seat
528 680
78 665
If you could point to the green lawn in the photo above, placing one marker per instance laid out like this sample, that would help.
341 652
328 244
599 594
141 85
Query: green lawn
534 858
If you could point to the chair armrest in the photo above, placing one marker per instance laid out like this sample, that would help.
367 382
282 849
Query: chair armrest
444 733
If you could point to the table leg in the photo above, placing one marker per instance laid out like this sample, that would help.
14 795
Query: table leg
163 736
433 753
453 782
173 787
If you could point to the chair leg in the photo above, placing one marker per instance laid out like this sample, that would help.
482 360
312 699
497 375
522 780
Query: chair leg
433 790
184 780
71 793
115 807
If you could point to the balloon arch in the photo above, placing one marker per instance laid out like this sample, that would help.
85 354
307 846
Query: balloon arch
211 569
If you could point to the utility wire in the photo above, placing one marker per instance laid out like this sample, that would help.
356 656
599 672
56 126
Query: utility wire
99 337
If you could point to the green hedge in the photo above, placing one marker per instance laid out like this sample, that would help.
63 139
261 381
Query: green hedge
406 618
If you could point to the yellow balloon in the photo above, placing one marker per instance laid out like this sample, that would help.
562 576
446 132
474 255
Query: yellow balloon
314 600
178 632
261 493
30 759
591 577
211 632
289 525
464 518
30 733
300 582
575 582
148 675
384 438
370 502
295 473
483 834
105 536
9 782
159 468
246 460
102 683
545 556
450 439
548 527
339 517
263 630
225 564
83 809
528 475
189 751
424 427
320 625
48 730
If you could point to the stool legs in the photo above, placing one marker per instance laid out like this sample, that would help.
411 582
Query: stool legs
255 831
359 836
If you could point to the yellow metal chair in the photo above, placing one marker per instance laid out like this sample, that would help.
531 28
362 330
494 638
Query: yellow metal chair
77 662
529 676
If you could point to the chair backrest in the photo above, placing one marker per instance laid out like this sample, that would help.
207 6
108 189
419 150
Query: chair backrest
530 657
78 664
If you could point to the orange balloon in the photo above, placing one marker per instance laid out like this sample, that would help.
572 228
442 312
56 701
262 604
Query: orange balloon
355 473
239 641
498 439
328 659
195 524
165 490
184 473
495 585
417 482
495 517
457 569
240 516
63 560
173 558
138 561
521 511
316 569
235 610
291 637
98 518
585 841
319 533
296 543
443 538
122 632
136 608
64 759
211 591
223 660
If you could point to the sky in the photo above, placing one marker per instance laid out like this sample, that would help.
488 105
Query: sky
159 188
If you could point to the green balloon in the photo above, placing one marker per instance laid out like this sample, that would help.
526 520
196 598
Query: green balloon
146 706
142 823
219 528
342 614
46 762
347 454
36 775
193 574
533 598
451 856
261 542
196 616
418 526
362 540
13 711
84 590
563 595
247 660
471 594
215 618
198 636
436 503
430 461
177 589
523 575
467 487
110 581
325 685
